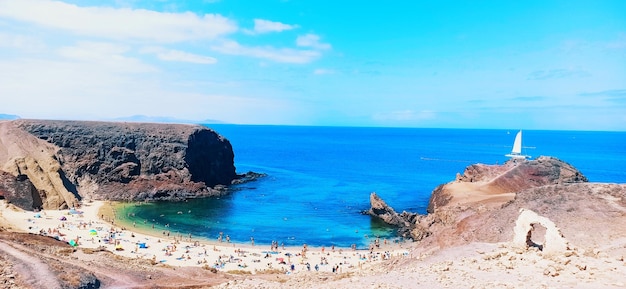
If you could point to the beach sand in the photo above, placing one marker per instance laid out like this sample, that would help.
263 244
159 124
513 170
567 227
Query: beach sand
93 226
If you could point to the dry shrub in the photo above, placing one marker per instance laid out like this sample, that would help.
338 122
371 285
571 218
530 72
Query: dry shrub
90 251
71 279
65 251
239 272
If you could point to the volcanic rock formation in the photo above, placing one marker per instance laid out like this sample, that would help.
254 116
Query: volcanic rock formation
483 204
70 160
483 184
20 191
380 209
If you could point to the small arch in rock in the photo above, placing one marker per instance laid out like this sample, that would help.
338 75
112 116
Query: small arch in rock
528 233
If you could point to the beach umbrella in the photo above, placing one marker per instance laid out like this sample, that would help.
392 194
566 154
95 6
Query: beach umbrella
93 232
72 243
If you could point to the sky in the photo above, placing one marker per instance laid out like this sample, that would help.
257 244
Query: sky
439 64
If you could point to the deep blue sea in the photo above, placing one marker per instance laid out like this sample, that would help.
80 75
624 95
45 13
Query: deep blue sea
320 178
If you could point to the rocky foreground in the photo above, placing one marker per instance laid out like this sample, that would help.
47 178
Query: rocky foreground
55 164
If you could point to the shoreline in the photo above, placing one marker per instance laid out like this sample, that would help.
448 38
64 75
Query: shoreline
110 211
90 231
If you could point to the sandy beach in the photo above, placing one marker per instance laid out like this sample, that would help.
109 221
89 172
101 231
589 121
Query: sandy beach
87 227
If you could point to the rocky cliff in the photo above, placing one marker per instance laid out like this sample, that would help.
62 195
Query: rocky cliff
482 204
70 160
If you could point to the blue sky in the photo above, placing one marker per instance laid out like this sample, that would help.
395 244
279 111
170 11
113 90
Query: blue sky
470 64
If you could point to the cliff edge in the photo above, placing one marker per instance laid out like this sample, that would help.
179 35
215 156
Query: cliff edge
492 185
483 203
69 160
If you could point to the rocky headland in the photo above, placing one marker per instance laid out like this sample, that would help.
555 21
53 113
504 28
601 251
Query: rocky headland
54 164
483 204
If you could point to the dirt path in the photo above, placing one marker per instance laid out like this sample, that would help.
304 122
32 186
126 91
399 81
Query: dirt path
29 259
28 267
111 273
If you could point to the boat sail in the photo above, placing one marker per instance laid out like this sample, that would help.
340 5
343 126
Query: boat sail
516 152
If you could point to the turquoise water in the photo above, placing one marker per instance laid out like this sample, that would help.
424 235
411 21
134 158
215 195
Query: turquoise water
319 178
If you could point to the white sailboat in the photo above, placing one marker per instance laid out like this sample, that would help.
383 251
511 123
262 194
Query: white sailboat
516 153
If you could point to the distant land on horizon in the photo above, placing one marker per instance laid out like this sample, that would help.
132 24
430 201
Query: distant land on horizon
8 116
165 119
135 118
169 119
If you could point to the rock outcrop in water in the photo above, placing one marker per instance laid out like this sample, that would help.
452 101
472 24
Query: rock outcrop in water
380 209
70 160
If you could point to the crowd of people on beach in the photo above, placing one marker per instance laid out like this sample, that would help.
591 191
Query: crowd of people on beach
78 230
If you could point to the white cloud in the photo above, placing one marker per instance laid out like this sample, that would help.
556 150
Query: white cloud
180 56
20 42
75 90
105 56
266 26
91 50
321 71
114 23
313 41
249 109
285 55
62 60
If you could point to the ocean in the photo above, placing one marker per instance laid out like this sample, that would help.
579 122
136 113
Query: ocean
319 178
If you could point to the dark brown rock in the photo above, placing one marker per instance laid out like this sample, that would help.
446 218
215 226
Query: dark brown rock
404 221
383 211
19 191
